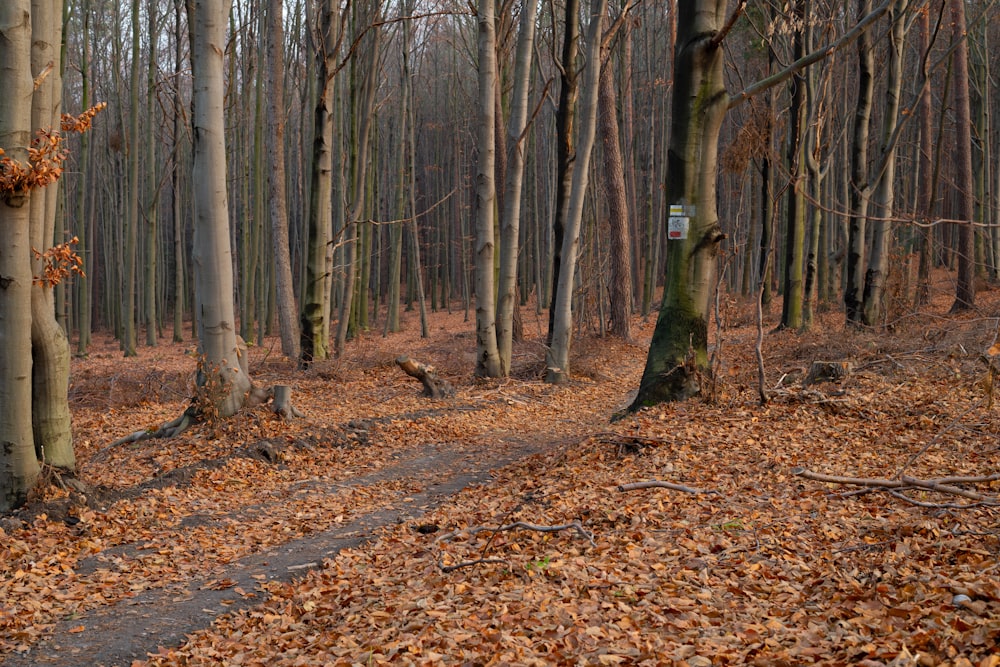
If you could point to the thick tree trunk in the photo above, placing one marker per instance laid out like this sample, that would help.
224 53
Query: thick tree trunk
18 463
49 346
487 356
213 258
287 321
678 352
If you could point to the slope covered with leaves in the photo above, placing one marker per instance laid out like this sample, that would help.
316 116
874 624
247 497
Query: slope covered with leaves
765 566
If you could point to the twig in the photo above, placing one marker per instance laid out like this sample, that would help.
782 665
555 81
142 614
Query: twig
470 563
938 506
663 485
524 525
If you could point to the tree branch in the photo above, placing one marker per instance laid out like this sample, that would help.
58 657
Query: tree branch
810 58
663 485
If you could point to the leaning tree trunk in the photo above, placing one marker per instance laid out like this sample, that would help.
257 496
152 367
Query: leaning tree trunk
679 349
287 322
557 367
487 355
510 223
213 258
18 463
49 346
566 148
362 111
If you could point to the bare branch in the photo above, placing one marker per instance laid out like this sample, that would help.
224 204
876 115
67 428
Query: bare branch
733 18
811 58
663 485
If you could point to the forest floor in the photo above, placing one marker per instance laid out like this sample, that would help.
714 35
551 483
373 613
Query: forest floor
365 532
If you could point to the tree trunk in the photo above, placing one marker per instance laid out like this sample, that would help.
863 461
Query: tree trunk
854 291
315 292
178 201
152 186
557 363
965 289
621 285
132 223
363 88
212 252
18 462
287 321
925 191
791 311
566 149
678 351
510 224
84 221
487 356
49 345
884 193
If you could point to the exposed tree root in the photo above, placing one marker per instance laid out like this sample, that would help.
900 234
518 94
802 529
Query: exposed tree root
279 395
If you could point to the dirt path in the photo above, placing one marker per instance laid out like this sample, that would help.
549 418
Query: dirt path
116 634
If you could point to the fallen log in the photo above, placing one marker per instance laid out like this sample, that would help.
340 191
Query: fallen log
434 386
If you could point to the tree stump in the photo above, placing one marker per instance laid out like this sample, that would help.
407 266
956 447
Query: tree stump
282 403
434 386
827 371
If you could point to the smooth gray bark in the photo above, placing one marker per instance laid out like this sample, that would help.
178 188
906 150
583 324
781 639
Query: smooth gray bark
213 259
487 355
557 363
18 463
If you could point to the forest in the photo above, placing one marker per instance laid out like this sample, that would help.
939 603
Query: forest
499 332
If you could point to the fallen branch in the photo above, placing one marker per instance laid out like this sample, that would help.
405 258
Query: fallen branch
663 485
524 525
278 395
895 487
471 563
